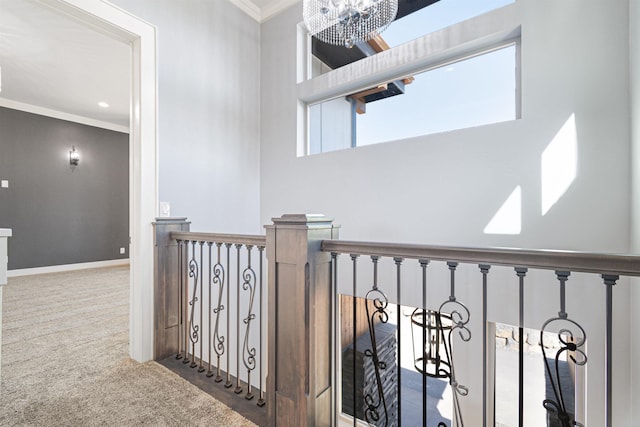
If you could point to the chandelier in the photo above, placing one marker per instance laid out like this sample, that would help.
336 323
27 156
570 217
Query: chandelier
347 22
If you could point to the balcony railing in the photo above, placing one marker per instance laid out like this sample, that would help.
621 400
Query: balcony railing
357 333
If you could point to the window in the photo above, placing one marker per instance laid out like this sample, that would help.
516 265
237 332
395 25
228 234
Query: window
462 76
472 92
410 24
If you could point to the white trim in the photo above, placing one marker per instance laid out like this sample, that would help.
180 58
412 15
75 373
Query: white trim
143 164
67 267
268 11
273 8
248 7
47 112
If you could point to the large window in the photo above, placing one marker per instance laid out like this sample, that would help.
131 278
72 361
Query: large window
467 77
428 19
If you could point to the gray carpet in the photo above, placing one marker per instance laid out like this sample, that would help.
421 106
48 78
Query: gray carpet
65 360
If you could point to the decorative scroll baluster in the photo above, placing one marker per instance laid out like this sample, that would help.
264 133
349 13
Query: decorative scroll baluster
459 316
571 341
209 371
380 303
201 367
194 334
218 344
249 354
228 383
238 389
261 402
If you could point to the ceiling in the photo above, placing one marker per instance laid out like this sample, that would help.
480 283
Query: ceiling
52 61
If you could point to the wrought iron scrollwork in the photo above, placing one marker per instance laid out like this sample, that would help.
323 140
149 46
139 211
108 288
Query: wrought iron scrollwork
374 403
572 338
219 341
249 353
459 316
439 328
194 330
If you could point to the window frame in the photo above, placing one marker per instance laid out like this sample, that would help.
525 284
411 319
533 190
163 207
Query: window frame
476 36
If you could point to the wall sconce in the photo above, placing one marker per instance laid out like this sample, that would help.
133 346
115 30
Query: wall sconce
74 156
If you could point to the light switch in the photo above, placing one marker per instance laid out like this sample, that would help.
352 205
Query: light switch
4 183
165 209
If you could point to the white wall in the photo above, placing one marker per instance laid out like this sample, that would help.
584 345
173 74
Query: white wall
445 188
568 67
634 49
208 91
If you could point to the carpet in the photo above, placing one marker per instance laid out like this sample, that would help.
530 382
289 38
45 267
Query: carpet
65 360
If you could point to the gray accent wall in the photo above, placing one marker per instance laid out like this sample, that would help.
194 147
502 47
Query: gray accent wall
62 214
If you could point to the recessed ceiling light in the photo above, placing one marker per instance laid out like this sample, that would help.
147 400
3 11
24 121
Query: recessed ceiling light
103 104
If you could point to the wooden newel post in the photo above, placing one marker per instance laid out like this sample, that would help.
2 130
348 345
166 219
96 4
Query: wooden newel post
299 380
166 286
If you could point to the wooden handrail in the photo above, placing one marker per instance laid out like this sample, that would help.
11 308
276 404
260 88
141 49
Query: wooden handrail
238 239
617 264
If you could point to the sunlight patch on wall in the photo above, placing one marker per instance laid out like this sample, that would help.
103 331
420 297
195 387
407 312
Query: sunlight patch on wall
508 219
559 164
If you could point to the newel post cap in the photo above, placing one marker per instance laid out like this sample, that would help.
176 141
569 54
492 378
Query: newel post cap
309 220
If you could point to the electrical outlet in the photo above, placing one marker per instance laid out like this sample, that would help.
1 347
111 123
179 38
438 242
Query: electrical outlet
121 251
4 183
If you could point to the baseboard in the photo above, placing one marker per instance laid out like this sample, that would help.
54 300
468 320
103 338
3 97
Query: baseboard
67 267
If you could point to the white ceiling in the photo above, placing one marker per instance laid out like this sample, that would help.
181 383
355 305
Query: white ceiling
50 60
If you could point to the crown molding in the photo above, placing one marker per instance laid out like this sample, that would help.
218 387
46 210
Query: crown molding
269 10
248 7
273 8
47 112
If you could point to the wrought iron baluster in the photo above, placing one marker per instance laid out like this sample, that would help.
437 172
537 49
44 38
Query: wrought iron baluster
609 281
194 330
354 260
181 295
380 303
459 316
261 402
484 270
209 333
218 344
334 327
238 389
423 266
228 383
571 337
185 301
249 354
201 305
521 272
398 262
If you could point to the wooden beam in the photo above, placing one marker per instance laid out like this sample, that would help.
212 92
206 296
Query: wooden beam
367 92
378 44
361 105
